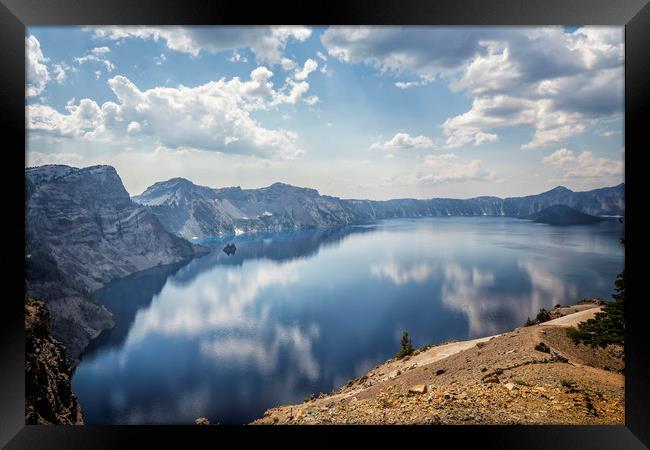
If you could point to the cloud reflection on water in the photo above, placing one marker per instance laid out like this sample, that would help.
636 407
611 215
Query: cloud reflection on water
400 275
228 337
219 300
489 305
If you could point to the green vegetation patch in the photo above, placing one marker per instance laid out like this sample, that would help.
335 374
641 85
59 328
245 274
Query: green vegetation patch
406 348
608 326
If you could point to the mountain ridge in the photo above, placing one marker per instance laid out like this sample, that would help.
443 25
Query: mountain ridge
206 211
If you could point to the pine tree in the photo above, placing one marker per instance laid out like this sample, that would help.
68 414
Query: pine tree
608 326
407 346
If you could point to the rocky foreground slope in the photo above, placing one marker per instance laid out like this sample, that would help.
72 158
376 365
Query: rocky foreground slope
48 397
532 375
189 210
83 230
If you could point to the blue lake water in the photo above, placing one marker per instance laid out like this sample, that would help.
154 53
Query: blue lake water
289 314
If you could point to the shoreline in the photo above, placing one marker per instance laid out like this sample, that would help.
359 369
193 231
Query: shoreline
450 383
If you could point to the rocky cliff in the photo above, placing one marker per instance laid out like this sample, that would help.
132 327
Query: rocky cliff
192 211
83 230
195 211
48 397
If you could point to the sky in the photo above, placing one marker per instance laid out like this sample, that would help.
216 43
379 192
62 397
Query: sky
356 112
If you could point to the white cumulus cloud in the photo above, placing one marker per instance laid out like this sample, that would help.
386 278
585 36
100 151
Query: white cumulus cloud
98 55
404 141
556 83
37 73
585 166
214 116
267 43
309 66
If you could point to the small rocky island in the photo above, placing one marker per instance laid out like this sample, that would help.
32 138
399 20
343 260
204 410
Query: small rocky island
563 215
230 249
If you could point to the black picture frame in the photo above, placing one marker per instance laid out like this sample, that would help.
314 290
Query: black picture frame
16 15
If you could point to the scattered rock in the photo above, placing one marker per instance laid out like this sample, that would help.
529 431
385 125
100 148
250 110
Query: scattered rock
480 344
509 386
483 369
440 371
492 378
556 357
418 389
542 347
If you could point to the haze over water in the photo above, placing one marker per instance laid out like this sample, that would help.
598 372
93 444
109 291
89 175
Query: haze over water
290 314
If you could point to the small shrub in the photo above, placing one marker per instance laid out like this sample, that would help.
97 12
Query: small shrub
406 346
543 316
567 383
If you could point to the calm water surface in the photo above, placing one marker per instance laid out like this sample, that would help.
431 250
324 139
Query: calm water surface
289 314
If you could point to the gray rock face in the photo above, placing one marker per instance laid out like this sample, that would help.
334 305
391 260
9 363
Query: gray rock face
83 228
76 320
192 211
94 232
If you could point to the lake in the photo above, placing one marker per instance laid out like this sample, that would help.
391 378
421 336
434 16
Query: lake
289 314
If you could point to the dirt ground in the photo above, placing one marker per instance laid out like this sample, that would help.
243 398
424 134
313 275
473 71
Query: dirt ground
500 379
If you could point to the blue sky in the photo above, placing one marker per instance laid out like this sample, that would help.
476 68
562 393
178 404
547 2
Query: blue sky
356 112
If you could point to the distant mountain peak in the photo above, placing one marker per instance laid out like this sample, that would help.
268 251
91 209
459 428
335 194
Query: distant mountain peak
169 184
176 181
558 189
279 184
99 168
